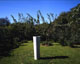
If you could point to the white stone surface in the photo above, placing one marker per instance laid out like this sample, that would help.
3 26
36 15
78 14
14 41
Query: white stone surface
36 43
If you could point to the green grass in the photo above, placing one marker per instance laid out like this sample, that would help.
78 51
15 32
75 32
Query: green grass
55 54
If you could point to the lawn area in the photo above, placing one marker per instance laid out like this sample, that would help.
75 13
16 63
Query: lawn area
55 54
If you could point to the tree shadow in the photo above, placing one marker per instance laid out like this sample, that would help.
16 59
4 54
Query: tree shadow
23 45
55 57
75 46
4 55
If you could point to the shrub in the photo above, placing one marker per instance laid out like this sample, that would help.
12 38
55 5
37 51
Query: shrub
24 41
7 41
47 43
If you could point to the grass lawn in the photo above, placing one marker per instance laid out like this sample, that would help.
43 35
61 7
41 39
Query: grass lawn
55 54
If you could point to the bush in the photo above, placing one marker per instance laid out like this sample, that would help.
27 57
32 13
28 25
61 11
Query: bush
24 41
7 41
47 43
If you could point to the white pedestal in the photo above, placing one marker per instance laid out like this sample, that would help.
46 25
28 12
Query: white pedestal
36 43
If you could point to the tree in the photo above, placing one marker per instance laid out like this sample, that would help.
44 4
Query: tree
66 26
4 21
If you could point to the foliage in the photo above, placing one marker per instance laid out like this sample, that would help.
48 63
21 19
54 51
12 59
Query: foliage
67 27
7 42
47 43
4 21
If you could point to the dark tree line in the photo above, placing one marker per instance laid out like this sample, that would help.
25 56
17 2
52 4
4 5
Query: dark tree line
65 29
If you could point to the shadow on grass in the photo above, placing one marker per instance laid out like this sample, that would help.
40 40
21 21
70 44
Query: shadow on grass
55 57
4 55
75 46
23 45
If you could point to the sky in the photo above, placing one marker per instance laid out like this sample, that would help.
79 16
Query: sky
13 7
